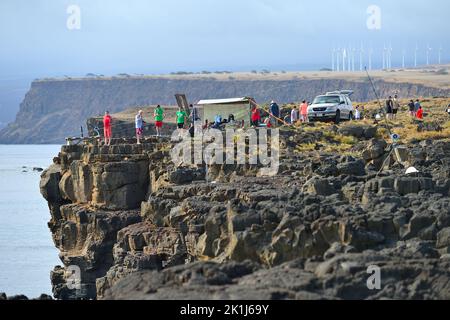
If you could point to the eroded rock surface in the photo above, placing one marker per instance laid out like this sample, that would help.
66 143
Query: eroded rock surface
139 227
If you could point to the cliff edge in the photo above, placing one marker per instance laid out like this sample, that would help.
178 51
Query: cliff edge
137 226
55 109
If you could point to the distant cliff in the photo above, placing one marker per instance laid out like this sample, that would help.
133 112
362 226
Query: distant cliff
55 109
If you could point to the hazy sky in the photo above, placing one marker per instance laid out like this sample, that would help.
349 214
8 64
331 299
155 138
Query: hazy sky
154 36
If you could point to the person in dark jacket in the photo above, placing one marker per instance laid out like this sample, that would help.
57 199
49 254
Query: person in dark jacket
411 107
274 111
194 113
389 108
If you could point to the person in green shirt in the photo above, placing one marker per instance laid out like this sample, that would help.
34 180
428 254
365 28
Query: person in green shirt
181 118
159 117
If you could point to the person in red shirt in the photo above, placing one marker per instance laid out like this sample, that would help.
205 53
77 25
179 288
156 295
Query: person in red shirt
256 117
107 130
304 111
419 113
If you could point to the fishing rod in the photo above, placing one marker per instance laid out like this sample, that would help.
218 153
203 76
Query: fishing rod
388 126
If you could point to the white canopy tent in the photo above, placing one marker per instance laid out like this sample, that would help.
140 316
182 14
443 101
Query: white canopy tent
239 107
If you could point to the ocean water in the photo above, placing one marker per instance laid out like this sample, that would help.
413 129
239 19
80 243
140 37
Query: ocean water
27 252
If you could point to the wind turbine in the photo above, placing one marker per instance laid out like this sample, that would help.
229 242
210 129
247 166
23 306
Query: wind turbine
361 52
349 59
344 56
440 54
428 54
370 58
338 52
353 59
332 59
415 55
390 57
403 59
384 57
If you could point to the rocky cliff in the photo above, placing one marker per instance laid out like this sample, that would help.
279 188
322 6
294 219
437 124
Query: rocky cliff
55 109
140 227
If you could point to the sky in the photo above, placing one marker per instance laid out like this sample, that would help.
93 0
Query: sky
161 36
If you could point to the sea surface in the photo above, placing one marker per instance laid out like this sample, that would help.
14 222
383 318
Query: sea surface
27 252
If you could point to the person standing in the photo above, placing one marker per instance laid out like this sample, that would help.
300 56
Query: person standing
159 118
362 113
107 130
412 108
419 113
294 115
395 107
255 116
417 106
274 111
304 111
139 124
194 114
195 119
357 113
389 108
181 119
205 125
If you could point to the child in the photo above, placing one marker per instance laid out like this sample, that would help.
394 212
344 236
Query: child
357 113
419 113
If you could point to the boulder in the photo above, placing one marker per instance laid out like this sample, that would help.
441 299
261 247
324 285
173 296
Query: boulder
443 238
407 185
374 150
66 187
49 184
352 130
352 168
418 223
319 186
185 175
370 132
359 131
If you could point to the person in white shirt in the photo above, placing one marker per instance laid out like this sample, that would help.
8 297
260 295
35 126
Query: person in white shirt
294 115
357 113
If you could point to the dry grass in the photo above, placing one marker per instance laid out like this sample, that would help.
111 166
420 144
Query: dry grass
406 127
403 125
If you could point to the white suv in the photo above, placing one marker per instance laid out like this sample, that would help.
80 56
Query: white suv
334 106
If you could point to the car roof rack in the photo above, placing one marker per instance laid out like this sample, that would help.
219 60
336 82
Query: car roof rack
344 92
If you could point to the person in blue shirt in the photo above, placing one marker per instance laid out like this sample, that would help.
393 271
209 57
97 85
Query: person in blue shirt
217 121
274 111
417 105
